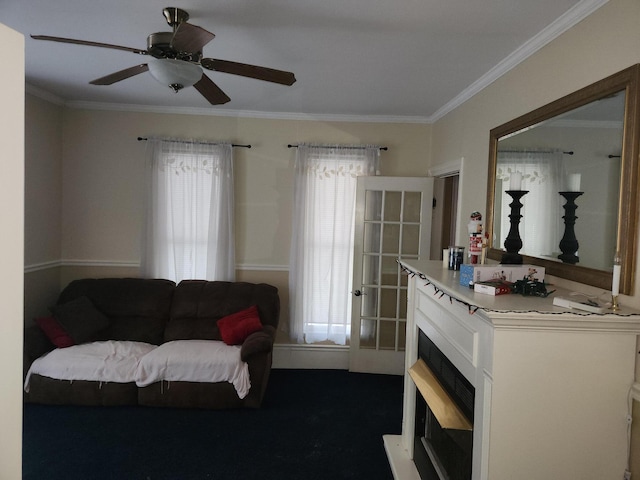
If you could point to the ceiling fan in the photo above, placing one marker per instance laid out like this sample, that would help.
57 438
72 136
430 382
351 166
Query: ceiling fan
176 59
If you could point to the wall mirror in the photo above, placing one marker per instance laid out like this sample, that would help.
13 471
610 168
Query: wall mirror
585 142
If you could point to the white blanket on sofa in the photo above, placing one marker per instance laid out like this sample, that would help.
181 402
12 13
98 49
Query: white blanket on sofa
195 361
143 363
110 361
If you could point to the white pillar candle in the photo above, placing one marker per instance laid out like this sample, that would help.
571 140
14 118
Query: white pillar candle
515 182
573 182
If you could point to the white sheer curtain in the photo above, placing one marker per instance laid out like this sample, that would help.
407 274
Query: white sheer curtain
321 260
189 228
541 227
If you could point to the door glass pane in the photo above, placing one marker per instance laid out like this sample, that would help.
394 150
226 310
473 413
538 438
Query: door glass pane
402 335
410 239
411 212
387 335
388 298
368 333
372 205
370 269
389 271
391 240
392 206
402 310
369 303
372 237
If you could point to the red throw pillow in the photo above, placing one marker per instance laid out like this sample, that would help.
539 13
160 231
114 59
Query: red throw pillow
235 328
54 332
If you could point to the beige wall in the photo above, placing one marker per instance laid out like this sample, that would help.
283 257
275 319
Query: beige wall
11 252
103 174
43 207
43 168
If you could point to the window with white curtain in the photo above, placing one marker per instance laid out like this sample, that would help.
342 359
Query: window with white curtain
543 176
189 228
321 263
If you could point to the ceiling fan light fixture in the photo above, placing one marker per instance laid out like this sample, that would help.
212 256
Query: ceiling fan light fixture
177 74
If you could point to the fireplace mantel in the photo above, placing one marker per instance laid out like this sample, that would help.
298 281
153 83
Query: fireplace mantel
552 384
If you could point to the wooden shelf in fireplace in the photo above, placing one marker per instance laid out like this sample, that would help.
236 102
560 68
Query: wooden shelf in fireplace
445 410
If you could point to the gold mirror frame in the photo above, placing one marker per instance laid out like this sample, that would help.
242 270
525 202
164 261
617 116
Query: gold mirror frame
628 81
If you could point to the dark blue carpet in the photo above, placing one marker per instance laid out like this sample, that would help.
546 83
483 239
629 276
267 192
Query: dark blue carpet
314 424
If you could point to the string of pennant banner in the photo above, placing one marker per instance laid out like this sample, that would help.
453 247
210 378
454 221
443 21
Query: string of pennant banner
471 308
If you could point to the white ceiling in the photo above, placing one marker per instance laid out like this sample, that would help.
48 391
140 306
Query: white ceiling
389 59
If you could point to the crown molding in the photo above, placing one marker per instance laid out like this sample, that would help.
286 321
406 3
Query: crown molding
563 23
44 95
245 113
599 124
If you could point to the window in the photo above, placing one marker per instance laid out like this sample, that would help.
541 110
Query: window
189 230
321 263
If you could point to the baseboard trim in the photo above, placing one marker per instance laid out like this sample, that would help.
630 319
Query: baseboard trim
333 357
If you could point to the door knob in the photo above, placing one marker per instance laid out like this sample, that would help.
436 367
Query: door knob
357 293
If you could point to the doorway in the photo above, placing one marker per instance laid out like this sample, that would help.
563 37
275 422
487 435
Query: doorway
449 210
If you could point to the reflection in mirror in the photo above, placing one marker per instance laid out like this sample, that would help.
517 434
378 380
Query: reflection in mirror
576 151
585 142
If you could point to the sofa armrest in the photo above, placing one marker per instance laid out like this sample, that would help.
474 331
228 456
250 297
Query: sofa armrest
258 342
36 344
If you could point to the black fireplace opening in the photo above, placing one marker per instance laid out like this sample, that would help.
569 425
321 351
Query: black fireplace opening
439 453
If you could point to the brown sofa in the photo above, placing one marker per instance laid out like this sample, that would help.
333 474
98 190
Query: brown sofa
157 311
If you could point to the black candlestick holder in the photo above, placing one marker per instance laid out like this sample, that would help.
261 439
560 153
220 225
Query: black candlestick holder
569 243
513 242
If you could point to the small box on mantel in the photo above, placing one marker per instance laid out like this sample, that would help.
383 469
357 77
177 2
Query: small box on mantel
493 287
470 273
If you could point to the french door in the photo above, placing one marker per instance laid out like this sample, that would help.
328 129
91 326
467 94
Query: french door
393 220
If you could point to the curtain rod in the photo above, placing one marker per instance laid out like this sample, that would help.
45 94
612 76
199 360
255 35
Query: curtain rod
202 143
338 146
533 151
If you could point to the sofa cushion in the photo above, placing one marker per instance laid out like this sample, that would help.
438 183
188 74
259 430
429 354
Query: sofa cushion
54 332
80 319
137 308
199 304
109 361
195 361
235 328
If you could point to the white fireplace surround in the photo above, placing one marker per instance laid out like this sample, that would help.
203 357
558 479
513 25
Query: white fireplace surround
551 385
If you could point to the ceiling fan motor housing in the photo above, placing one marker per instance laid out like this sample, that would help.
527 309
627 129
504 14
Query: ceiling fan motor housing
159 46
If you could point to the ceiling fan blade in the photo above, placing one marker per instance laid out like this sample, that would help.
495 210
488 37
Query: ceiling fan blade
190 38
211 91
251 71
120 75
88 43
